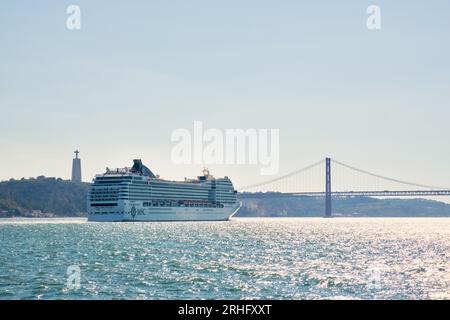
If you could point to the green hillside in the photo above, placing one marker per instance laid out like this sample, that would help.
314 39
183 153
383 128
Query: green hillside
350 206
42 197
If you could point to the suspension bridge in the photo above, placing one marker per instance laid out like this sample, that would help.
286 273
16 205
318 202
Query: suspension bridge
289 185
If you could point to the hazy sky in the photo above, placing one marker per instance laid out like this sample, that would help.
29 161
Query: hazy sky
137 70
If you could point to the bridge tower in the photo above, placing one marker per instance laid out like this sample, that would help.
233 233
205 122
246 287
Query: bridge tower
327 187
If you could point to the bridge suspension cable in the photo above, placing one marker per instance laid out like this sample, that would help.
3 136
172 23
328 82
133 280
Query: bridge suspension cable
282 177
387 178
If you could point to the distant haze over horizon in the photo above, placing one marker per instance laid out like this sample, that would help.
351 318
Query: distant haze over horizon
134 73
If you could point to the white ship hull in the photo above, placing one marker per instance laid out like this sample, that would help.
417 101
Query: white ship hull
141 214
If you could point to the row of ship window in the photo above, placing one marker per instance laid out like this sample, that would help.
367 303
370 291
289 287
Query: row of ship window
169 203
140 197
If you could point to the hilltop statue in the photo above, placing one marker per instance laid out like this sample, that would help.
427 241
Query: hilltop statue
76 168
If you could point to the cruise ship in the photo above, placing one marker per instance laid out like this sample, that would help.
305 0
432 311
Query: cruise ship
136 194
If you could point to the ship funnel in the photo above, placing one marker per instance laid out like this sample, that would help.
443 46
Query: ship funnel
138 167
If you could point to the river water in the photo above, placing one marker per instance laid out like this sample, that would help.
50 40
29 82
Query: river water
245 258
